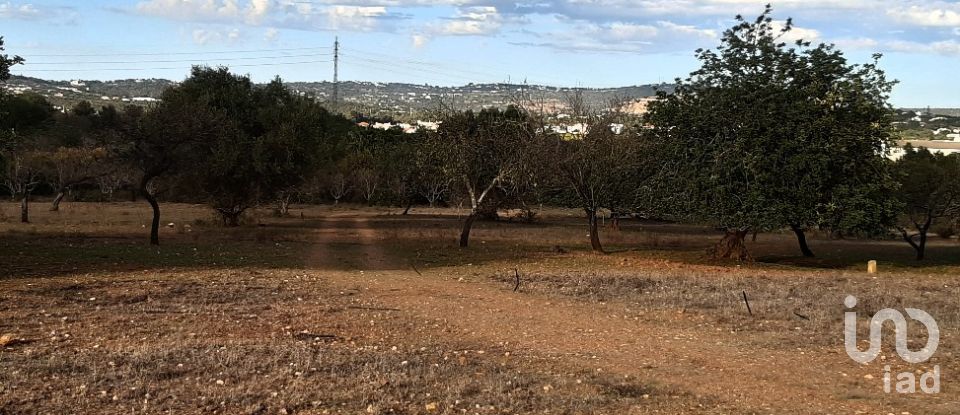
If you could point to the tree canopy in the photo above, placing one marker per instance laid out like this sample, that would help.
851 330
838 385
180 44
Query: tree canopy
768 134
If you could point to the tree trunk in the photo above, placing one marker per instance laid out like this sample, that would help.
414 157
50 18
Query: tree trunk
802 240
594 231
283 206
615 221
920 247
55 206
25 208
467 225
732 246
155 223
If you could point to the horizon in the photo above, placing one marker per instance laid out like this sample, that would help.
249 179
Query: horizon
557 43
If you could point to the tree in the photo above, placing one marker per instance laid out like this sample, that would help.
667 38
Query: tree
601 169
766 135
272 139
164 142
929 190
482 152
71 166
7 62
24 173
338 186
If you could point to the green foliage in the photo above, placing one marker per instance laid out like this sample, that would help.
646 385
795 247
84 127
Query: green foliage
7 62
929 185
485 152
270 141
767 134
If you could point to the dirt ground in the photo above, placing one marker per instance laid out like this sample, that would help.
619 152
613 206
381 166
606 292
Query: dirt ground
362 310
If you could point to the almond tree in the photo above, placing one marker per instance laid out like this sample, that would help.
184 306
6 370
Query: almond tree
73 166
23 174
601 170
482 152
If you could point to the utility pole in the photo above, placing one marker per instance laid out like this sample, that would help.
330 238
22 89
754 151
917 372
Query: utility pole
336 61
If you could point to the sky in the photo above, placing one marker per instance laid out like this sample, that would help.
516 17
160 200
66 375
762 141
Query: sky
589 43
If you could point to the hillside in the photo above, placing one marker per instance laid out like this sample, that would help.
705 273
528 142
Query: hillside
374 98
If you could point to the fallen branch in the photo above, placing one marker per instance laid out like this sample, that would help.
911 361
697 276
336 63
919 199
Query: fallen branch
516 273
358 307
747 302
800 315
414 266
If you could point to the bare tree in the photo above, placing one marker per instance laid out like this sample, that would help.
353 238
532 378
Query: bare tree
73 166
338 186
433 188
24 173
369 182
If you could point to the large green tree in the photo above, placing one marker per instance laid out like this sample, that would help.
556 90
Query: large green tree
769 134
274 140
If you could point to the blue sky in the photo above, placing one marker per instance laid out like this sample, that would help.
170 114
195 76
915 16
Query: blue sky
595 43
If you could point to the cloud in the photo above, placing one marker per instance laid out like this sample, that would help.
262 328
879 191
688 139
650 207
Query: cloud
949 47
28 11
210 36
941 15
796 33
361 18
857 43
419 40
23 12
692 31
269 13
271 34
480 20
624 37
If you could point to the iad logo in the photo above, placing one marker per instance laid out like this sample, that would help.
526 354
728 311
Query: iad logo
906 381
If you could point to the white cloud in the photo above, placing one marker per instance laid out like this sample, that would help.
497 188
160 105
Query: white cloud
796 33
9 10
630 31
419 40
270 13
354 17
257 11
481 20
940 15
857 43
209 36
943 47
191 9
271 34
688 30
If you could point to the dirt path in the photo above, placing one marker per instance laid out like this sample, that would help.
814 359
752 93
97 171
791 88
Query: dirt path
681 355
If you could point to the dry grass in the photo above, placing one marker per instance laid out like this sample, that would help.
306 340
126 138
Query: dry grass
263 341
242 321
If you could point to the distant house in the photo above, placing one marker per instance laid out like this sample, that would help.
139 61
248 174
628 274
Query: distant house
935 146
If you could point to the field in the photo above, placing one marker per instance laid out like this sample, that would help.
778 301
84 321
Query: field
362 310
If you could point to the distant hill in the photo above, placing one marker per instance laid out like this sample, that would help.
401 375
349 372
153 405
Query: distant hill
374 98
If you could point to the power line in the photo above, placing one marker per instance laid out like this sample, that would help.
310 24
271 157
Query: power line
180 67
390 65
177 61
59 55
